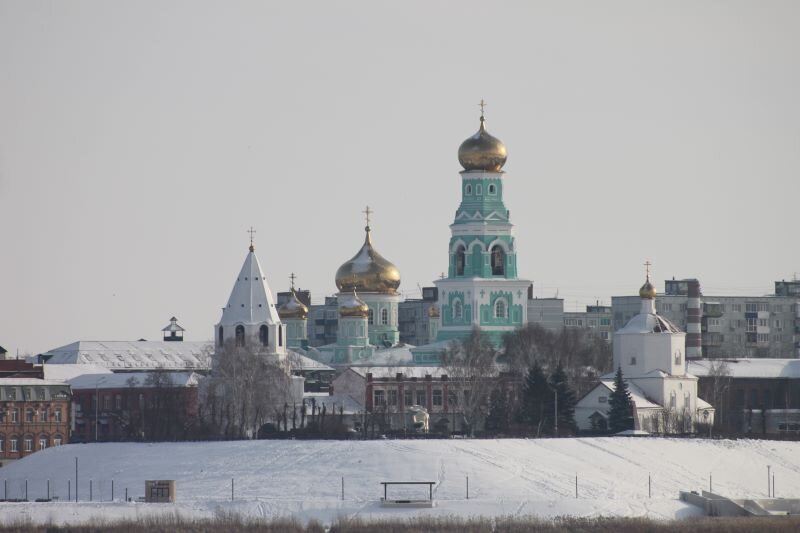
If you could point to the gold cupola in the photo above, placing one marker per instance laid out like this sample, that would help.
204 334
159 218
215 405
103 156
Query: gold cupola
293 308
368 271
482 151
648 291
433 311
350 305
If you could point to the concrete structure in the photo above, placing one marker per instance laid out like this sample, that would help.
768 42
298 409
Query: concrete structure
597 318
730 326
417 325
547 312
133 356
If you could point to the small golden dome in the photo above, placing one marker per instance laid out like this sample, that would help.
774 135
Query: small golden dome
433 311
350 305
482 152
648 291
368 271
293 308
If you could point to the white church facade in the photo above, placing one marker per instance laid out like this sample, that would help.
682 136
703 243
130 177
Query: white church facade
651 352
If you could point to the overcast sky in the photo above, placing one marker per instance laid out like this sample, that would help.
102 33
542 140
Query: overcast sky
140 140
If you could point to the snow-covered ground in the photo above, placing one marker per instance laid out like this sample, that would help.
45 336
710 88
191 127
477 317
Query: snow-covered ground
304 478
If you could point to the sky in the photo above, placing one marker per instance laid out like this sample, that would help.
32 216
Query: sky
140 140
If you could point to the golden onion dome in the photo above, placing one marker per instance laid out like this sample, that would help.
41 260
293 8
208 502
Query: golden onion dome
482 152
433 311
368 271
293 308
350 305
648 291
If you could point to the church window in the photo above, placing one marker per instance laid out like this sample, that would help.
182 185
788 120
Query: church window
678 357
633 360
384 317
280 335
371 319
239 341
492 189
469 189
263 335
458 312
498 260
500 309
460 259
672 400
478 190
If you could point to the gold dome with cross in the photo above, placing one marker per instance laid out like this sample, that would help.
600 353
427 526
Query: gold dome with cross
368 271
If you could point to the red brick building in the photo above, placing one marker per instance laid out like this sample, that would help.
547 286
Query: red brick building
34 415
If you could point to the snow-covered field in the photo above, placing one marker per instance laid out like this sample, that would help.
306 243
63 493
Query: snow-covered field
304 478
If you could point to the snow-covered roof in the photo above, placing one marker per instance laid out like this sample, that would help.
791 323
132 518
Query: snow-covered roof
250 301
66 372
637 395
748 367
173 326
28 382
648 321
300 362
130 379
133 355
407 371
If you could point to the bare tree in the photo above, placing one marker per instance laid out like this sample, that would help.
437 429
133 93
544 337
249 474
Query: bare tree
719 384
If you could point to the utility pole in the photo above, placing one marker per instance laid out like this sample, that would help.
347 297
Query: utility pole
555 394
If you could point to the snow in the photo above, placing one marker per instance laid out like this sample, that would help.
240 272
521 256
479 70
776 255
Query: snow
135 355
303 478
125 380
749 368
65 372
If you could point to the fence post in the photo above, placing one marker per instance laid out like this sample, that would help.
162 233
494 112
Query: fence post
126 494
649 486
69 490
468 487
90 489
26 490
5 489
48 489
710 482
231 489
342 488
576 485
112 490
76 480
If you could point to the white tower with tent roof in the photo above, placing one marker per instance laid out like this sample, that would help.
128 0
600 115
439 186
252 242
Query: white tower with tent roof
250 319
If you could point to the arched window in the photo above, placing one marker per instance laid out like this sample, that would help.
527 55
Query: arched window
500 309
221 337
498 260
239 335
492 189
458 312
371 318
280 335
677 357
384 317
479 190
460 259
468 189
263 335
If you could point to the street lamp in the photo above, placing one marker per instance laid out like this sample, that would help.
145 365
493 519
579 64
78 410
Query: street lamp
97 405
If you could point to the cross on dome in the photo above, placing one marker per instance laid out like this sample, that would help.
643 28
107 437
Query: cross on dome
292 277
252 232
482 105
367 212
647 265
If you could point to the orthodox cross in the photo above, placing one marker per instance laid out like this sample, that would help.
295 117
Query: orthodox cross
251 231
647 265
367 212
442 276
292 277
482 105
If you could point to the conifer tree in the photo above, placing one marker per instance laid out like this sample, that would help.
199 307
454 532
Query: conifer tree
534 400
559 384
620 411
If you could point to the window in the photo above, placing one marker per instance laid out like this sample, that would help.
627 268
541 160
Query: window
2 416
672 400
380 397
43 415
239 336
57 415
468 189
1 445
393 397
778 324
280 335
458 312
57 441
762 322
221 337
466 396
29 415
263 335
604 335
384 317
106 402
14 445
14 416
42 443
371 317
751 324
492 189
28 444
763 337
633 360
500 309
736 308
678 357
11 394
498 260
421 398
602 399
40 393
407 399
437 397
460 259
452 398
605 321
713 321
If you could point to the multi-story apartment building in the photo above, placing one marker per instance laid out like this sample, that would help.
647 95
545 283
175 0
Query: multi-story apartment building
547 312
415 315
729 326
597 318
323 322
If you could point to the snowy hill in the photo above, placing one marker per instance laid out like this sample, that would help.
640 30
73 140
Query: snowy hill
304 478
